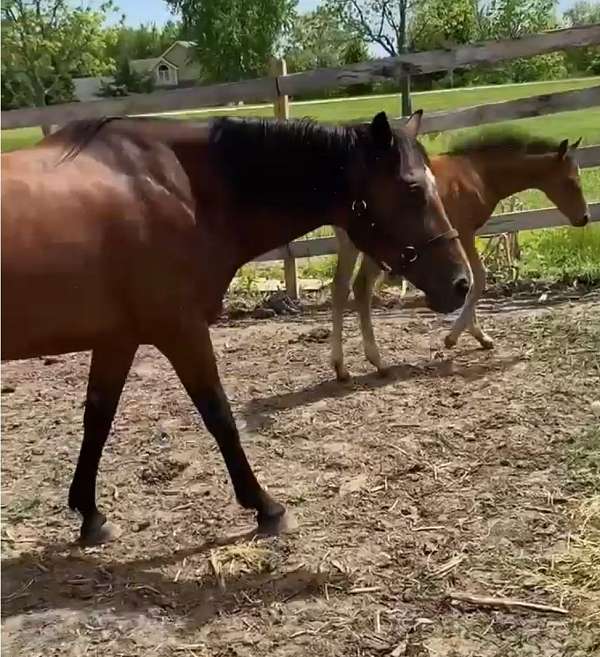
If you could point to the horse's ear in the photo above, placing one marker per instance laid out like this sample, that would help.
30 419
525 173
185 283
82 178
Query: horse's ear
563 147
382 131
575 144
413 123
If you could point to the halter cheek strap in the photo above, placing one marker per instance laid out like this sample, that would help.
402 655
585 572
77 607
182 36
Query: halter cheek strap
409 254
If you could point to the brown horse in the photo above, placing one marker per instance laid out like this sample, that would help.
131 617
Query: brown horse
117 233
472 179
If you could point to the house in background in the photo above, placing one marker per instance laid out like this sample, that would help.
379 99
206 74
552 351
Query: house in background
176 67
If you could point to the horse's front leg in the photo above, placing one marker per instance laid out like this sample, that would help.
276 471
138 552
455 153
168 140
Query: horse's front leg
191 353
108 372
347 255
467 318
364 283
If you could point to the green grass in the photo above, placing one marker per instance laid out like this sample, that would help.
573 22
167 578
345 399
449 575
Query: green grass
12 140
561 254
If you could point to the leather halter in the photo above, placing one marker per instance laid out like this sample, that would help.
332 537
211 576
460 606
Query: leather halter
409 254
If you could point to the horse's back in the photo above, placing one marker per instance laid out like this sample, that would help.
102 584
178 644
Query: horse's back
94 246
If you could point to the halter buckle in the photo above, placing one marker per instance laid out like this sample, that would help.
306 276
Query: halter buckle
359 206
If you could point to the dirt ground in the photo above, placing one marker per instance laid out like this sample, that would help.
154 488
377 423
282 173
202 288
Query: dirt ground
455 474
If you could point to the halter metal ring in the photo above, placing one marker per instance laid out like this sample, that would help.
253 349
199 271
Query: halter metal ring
359 206
409 255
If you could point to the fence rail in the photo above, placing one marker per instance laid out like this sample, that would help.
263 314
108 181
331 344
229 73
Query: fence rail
522 108
270 88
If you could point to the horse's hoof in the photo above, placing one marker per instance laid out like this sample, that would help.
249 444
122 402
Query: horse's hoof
276 525
450 341
383 372
341 374
486 343
97 535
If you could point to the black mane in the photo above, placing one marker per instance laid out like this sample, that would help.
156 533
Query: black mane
298 165
284 164
503 139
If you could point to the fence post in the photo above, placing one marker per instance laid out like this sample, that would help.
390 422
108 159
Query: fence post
281 109
405 92
49 129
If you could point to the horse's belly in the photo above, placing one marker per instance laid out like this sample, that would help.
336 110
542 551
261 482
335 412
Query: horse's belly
57 293
52 314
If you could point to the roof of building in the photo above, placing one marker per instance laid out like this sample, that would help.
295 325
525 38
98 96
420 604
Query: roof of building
149 64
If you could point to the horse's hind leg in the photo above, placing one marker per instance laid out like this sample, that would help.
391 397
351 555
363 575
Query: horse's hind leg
347 255
363 286
191 354
108 372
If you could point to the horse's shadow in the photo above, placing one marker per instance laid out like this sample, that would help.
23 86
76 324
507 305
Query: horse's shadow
63 578
259 412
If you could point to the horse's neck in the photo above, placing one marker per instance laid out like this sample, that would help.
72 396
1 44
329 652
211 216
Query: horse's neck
505 174
268 230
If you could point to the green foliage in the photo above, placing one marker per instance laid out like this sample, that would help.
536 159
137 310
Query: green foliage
439 23
319 39
45 43
235 39
513 19
133 81
143 41
563 254
583 60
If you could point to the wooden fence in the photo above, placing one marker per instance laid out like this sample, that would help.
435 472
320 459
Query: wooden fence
280 86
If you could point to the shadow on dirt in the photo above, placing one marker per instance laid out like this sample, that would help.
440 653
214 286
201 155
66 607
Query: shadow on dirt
64 577
258 412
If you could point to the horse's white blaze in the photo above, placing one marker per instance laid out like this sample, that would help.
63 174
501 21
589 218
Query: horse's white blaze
431 182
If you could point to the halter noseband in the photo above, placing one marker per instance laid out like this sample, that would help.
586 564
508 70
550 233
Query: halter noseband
409 254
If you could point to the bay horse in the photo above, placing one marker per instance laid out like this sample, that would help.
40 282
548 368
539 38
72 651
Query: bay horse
472 178
117 233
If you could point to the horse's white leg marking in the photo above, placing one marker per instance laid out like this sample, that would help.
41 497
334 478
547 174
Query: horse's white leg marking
467 318
403 288
363 286
347 255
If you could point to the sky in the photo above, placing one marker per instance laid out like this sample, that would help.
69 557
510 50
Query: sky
155 11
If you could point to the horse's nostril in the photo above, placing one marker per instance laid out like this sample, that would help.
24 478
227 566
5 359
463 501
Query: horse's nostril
462 286
586 218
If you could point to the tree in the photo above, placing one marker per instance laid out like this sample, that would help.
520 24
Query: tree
45 43
143 41
235 38
439 23
512 19
319 39
583 60
378 22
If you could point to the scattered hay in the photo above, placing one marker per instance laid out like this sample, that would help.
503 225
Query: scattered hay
231 561
575 573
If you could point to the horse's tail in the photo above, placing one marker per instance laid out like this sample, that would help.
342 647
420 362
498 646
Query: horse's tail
78 134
